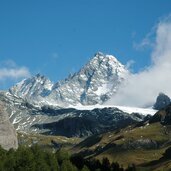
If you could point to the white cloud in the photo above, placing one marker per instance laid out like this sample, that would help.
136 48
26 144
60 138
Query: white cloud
14 73
9 70
129 64
142 88
146 41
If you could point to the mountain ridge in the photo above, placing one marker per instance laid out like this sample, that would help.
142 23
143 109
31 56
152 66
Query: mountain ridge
38 105
93 84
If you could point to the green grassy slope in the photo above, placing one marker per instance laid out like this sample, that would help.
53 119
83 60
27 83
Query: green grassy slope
47 141
142 144
136 145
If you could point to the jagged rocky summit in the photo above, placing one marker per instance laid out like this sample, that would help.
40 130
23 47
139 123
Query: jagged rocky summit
162 101
94 84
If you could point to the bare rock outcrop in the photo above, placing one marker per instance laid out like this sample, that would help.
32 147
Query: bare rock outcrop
141 144
162 101
8 136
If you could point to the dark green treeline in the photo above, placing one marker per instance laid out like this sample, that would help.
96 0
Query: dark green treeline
36 159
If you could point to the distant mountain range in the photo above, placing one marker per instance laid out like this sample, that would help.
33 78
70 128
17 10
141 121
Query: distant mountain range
94 84
65 108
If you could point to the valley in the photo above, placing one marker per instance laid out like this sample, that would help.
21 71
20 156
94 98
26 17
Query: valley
85 85
85 125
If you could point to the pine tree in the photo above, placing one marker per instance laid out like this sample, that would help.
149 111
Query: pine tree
85 168
105 165
52 162
78 161
115 167
68 166
24 159
62 155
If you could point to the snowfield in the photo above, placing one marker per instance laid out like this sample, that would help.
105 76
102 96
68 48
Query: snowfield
127 109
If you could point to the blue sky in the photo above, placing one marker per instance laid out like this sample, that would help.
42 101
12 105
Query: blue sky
58 37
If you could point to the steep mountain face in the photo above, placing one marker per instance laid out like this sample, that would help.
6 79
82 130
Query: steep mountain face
64 121
32 89
95 83
89 122
8 137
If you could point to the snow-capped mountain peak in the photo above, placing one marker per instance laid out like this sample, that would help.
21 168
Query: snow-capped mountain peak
102 57
33 87
95 83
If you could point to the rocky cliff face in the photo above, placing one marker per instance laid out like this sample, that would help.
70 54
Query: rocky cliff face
8 136
162 101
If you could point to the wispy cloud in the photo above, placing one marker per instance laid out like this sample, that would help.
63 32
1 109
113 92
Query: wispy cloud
10 70
129 64
147 41
142 88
